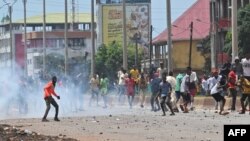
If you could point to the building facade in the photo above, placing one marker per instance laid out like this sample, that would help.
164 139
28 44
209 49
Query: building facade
222 10
181 38
78 36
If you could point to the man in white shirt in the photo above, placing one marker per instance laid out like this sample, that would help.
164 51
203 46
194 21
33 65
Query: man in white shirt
121 85
204 85
246 66
192 85
216 91
160 70
212 81
172 82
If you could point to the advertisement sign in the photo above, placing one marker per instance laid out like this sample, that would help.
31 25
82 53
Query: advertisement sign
120 1
137 19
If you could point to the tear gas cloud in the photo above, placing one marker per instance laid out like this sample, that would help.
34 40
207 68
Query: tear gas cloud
22 96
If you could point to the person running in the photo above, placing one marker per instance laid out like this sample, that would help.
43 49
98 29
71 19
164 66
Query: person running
165 92
48 92
178 78
204 85
192 86
155 83
244 85
143 88
185 93
246 69
134 72
238 67
217 94
171 79
212 81
94 86
104 89
130 84
232 87
121 85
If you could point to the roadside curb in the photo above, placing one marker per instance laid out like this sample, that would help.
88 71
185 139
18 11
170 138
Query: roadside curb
203 102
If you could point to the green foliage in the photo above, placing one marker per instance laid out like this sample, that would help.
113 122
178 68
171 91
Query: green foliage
228 43
206 53
244 29
109 59
243 33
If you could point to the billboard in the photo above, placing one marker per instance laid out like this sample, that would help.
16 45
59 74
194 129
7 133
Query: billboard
137 20
120 1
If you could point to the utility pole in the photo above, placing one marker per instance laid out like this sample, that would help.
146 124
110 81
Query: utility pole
234 30
12 50
125 51
190 47
136 37
66 38
73 14
150 48
25 38
44 39
213 37
169 37
92 39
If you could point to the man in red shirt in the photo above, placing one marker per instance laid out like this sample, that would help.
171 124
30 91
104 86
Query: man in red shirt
232 86
48 92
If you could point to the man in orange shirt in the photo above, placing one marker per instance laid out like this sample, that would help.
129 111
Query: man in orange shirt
232 87
48 92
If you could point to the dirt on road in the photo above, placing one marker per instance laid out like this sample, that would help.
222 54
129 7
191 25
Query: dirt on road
137 124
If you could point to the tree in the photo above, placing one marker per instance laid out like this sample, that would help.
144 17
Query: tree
244 29
109 58
206 53
228 43
243 33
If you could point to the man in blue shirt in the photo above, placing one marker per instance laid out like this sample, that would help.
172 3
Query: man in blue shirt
165 92
155 83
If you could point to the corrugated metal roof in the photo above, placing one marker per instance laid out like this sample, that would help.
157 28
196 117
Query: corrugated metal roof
199 13
56 18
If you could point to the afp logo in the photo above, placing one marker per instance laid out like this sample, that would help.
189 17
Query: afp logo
233 132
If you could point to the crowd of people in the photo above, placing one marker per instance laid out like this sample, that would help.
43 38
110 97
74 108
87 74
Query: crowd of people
167 92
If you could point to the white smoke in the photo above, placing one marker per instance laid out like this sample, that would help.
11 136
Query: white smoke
22 96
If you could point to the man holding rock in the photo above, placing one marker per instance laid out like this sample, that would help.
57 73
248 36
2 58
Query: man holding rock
48 92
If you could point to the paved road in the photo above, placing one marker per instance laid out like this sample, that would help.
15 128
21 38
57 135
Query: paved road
120 123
